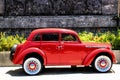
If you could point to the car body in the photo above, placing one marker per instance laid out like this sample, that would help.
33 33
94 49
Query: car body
55 46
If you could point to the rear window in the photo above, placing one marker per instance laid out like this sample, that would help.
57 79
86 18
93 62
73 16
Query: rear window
37 37
68 37
50 37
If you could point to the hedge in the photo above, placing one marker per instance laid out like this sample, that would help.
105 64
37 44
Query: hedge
6 42
112 38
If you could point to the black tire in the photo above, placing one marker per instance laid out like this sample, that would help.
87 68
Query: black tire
102 64
73 67
32 66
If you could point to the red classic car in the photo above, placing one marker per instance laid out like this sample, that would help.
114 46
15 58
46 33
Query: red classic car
54 46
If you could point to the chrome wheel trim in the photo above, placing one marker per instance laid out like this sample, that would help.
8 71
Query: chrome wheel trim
32 66
103 63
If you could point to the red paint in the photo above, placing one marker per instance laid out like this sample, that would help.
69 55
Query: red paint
61 52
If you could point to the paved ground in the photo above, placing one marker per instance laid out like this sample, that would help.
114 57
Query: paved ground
64 73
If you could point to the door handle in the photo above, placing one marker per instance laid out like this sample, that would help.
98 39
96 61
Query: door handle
59 47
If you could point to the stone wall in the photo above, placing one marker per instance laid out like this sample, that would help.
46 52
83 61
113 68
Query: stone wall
20 23
57 21
1 7
60 7
22 16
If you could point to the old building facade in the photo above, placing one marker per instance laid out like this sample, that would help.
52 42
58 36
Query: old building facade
22 16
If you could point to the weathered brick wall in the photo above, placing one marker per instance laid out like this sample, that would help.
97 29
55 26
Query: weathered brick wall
22 16
119 6
1 7
56 21
60 7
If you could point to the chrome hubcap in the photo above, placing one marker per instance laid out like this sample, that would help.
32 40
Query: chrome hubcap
102 63
32 66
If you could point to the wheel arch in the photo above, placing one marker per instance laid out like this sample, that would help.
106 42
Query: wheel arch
29 53
34 54
93 55
102 53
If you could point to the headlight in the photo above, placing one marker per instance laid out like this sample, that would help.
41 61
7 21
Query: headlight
13 51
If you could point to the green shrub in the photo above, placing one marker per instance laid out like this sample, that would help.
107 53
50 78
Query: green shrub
107 37
6 42
86 36
116 42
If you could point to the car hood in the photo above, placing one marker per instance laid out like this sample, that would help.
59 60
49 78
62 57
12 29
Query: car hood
97 45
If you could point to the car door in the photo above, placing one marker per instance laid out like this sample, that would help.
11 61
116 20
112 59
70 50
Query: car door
72 50
49 45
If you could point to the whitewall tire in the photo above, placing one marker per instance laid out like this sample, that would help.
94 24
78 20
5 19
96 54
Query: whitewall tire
102 63
32 66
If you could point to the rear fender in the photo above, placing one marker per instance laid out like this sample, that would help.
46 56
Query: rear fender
20 57
88 60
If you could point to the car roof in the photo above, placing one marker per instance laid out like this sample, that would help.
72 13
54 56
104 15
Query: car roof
50 30
53 30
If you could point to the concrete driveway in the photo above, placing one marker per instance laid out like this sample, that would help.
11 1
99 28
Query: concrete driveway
60 73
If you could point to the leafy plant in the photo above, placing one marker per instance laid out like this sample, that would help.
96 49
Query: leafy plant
6 42
86 36
116 42
107 37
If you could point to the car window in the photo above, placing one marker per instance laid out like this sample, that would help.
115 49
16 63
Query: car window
37 37
50 37
68 37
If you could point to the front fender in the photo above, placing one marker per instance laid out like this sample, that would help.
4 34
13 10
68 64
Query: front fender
21 55
88 60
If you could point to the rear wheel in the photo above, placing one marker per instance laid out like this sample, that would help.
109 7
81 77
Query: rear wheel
32 66
102 63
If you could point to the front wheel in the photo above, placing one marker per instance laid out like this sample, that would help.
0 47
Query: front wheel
102 63
32 66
